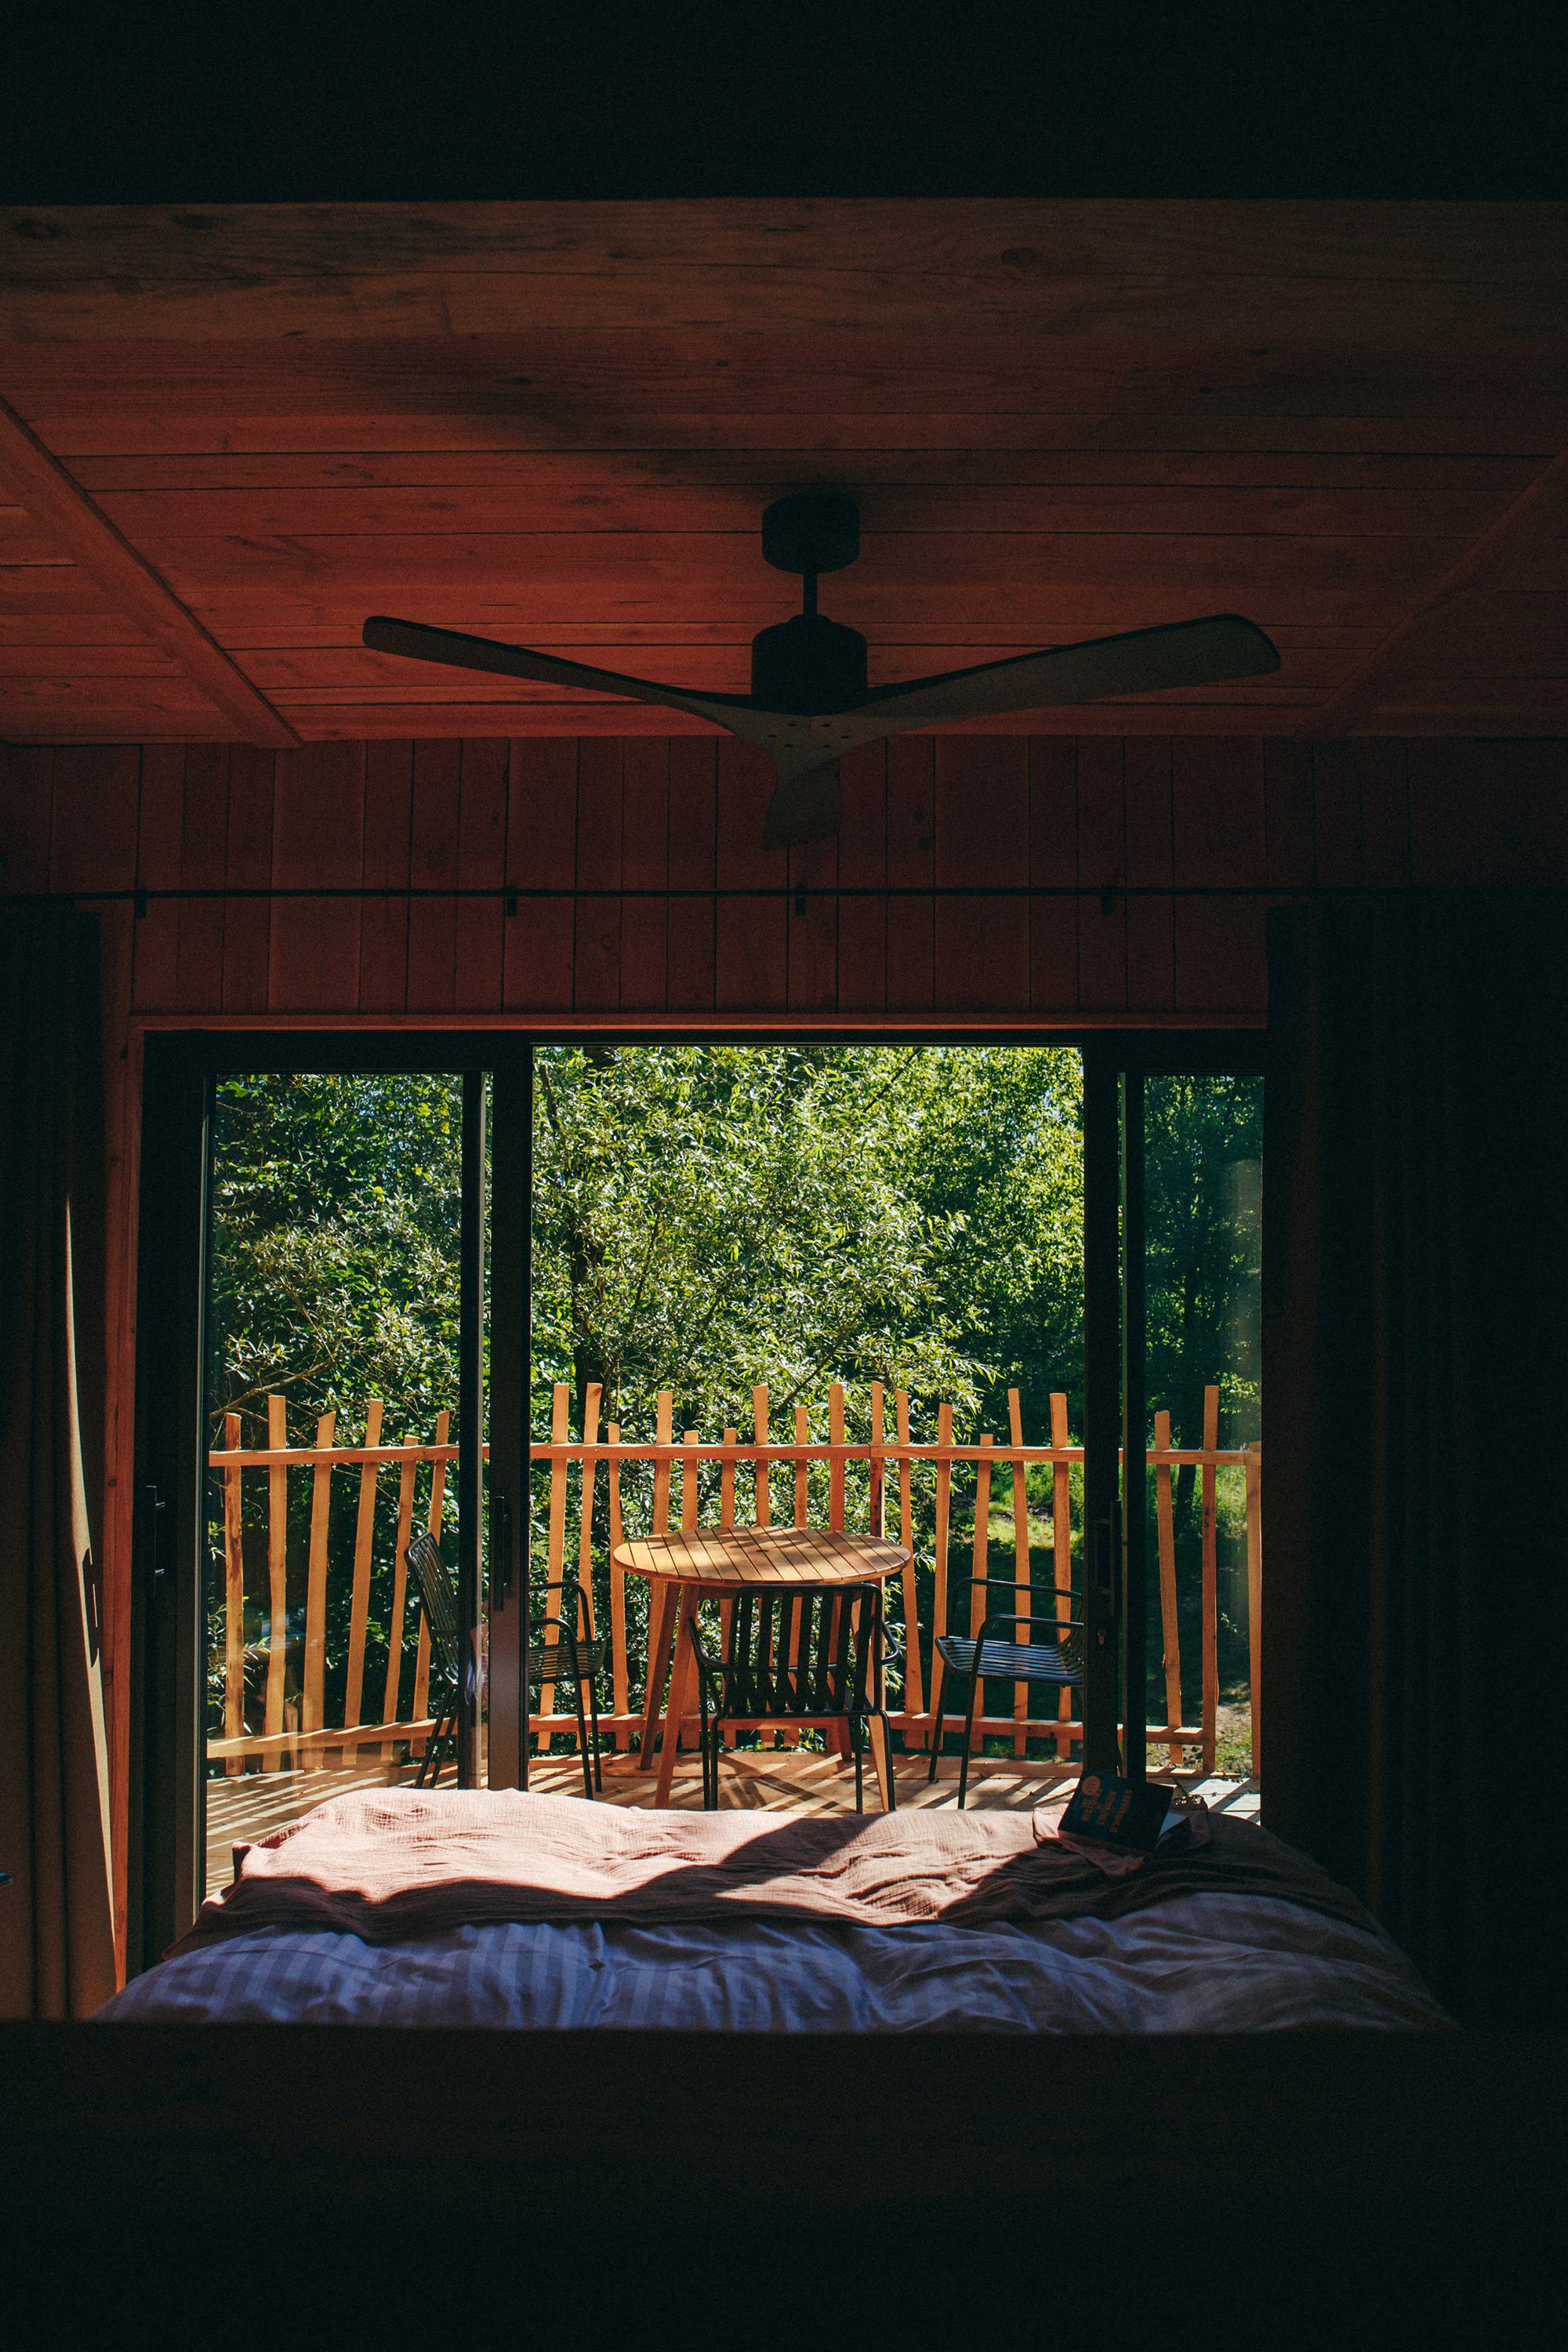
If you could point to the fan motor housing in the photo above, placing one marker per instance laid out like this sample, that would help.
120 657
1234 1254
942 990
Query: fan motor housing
808 664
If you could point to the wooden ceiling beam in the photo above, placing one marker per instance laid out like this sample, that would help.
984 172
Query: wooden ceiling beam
1369 273
35 478
1536 517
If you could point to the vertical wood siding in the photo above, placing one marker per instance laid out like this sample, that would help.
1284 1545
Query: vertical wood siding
954 830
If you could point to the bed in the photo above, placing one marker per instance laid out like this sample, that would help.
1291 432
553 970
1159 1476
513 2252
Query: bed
478 1908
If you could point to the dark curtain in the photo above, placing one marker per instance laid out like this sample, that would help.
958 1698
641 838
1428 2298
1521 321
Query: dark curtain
57 1937
1415 1284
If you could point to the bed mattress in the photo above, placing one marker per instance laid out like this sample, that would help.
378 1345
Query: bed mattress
485 1910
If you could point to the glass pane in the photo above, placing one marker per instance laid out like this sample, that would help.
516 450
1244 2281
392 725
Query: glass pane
336 1207
1203 1162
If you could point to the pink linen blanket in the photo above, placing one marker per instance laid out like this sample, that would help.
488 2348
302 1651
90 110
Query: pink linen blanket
385 1864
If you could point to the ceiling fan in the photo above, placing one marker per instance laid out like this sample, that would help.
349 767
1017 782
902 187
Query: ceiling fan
809 699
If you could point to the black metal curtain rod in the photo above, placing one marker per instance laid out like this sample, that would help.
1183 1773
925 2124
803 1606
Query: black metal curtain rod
1282 892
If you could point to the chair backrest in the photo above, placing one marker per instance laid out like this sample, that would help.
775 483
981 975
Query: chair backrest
437 1591
807 1651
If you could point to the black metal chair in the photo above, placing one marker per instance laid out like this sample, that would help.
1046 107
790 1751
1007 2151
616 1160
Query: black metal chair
1060 1662
555 1654
436 1592
812 1656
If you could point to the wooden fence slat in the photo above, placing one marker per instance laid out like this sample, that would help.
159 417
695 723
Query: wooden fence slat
422 1655
944 1498
760 1434
1020 1559
1170 1628
914 1681
978 1565
802 1469
313 1713
590 1488
276 1569
556 1552
621 1696
399 1600
727 1519
876 1480
234 1600
690 1493
364 1527
661 1600
836 1470
1061 1548
1211 1579
1255 1598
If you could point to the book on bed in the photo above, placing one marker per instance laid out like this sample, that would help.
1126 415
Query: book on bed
1114 1812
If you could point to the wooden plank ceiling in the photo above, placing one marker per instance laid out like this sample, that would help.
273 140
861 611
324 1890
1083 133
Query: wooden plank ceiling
235 432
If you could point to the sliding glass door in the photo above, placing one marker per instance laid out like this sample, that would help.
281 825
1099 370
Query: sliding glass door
314 1389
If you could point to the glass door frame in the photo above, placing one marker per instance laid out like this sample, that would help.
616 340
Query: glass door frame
173 1378
1116 1063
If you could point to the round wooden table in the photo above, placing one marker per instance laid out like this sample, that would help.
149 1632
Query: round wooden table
703 1563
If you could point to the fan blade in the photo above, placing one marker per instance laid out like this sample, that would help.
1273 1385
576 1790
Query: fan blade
1183 653
803 807
416 643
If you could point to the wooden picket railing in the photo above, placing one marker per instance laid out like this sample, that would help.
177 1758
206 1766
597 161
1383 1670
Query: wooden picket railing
302 1741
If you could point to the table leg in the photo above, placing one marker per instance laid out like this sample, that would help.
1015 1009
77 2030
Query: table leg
661 1624
682 1672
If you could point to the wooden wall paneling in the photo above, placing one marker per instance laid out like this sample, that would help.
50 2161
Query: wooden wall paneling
1102 865
1336 813
693 787
1288 849
27 793
482 866
204 864
93 818
1151 856
161 815
751 946
389 833
1053 865
596 942
434 808
540 853
601 794
812 926
911 865
863 865
595 954
1384 810
982 836
645 866
1218 802
318 843
248 922
1524 786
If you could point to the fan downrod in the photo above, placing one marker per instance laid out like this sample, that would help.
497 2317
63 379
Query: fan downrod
815 530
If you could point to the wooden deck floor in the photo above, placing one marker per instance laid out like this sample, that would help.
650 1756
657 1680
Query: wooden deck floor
249 1807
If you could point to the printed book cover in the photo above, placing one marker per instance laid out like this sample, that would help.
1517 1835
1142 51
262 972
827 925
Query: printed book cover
1117 1811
